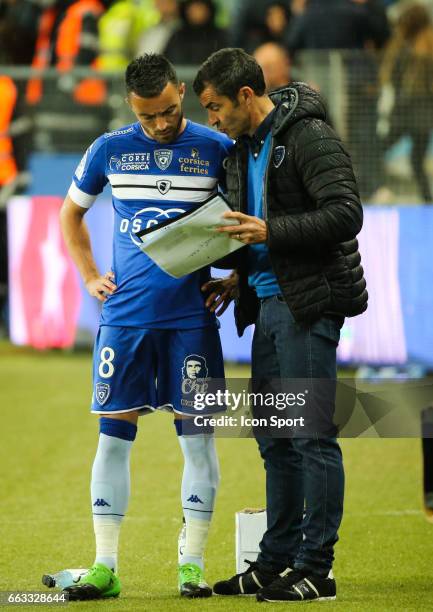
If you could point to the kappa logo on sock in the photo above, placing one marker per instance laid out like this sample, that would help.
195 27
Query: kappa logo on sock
101 502
194 499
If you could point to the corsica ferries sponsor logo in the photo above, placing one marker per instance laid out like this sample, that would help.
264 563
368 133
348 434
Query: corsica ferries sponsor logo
129 161
194 164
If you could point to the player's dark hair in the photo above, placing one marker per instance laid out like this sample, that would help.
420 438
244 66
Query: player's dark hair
148 75
227 70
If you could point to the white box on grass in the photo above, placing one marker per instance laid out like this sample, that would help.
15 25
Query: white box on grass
250 527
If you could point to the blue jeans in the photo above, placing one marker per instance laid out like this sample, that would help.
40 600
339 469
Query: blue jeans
301 473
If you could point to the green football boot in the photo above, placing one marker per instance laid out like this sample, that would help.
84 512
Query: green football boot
99 582
192 582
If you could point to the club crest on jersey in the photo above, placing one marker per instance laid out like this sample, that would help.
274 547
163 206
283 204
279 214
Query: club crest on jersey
102 393
195 153
279 155
163 158
163 186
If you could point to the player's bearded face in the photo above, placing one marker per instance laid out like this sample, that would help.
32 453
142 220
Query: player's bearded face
161 116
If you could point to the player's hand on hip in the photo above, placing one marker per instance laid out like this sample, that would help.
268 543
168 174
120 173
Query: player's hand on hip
221 291
101 287
250 230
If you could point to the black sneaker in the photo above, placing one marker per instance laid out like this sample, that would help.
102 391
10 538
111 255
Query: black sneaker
307 588
246 583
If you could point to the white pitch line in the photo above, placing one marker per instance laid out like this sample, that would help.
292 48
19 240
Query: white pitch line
138 519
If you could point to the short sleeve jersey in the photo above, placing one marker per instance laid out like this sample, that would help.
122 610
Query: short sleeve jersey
151 182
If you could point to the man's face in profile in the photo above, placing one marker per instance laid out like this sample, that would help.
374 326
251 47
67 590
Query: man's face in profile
228 116
193 368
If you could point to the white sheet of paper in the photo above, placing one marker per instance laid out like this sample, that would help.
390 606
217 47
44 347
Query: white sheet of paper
190 243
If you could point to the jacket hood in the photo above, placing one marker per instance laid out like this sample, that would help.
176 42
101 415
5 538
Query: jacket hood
295 102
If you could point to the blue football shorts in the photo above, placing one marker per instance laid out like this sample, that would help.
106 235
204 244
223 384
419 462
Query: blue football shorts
149 369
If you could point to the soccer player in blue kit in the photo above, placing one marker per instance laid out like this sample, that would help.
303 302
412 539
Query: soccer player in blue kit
153 327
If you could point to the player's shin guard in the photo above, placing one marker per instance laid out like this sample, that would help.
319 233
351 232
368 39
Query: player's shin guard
110 486
199 486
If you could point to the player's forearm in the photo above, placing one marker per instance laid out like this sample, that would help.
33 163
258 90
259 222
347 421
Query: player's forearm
77 241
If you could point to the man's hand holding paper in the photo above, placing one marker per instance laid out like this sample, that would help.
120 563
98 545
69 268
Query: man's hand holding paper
245 228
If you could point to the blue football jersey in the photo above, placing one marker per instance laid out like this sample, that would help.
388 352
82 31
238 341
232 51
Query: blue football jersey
151 182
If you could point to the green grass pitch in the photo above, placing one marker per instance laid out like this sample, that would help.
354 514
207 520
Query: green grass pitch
385 553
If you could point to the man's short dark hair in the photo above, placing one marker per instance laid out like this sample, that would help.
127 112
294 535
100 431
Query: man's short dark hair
227 70
148 75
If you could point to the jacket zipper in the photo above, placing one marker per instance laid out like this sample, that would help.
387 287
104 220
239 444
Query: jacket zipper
265 181
240 184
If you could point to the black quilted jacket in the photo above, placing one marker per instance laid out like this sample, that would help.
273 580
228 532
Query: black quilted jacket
312 210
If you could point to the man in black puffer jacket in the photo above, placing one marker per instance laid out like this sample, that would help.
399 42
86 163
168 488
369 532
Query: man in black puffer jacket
296 205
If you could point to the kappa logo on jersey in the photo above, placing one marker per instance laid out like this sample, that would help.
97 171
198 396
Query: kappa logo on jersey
163 158
127 162
147 217
102 393
194 499
195 153
163 186
119 132
279 155
80 168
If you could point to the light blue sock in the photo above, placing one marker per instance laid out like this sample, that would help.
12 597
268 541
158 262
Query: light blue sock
110 487
199 485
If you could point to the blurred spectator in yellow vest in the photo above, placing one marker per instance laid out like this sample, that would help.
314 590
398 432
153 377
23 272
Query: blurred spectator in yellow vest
119 31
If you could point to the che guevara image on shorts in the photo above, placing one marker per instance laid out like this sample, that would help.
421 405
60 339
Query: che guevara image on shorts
149 369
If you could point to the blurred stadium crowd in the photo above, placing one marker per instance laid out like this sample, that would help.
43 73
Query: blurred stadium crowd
372 60
62 63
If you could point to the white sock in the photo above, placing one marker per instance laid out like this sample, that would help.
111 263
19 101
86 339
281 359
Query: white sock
110 488
199 485
107 531
196 537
